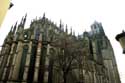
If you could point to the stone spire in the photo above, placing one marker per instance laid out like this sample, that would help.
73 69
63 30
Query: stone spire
24 21
14 29
11 28
71 30
44 16
60 25
21 21
66 29
10 32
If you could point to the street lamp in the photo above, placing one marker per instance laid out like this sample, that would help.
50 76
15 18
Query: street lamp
121 38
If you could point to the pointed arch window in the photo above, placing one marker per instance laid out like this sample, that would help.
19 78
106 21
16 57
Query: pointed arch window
37 33
23 61
91 50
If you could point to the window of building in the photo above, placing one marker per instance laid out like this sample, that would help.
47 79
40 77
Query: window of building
22 63
37 33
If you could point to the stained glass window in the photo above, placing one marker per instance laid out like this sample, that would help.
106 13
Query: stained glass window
37 33
22 63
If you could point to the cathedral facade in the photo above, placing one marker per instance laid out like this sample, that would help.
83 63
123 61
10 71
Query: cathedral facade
47 53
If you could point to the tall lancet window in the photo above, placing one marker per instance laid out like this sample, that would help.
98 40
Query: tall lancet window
91 50
23 61
37 33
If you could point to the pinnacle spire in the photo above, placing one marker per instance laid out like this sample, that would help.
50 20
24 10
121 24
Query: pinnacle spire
11 28
15 26
74 33
25 18
22 21
60 25
71 30
66 29
44 15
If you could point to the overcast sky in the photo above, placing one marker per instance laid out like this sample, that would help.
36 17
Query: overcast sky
78 14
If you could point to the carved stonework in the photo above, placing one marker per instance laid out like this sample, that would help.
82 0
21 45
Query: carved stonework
46 53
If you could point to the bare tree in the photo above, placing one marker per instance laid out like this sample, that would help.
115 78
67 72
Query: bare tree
69 49
66 54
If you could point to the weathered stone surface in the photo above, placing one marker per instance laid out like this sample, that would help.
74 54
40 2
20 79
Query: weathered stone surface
54 56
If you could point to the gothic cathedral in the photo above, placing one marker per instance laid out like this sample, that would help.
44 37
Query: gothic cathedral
47 53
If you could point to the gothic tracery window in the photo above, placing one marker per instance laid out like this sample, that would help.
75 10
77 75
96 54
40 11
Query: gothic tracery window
23 61
37 33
